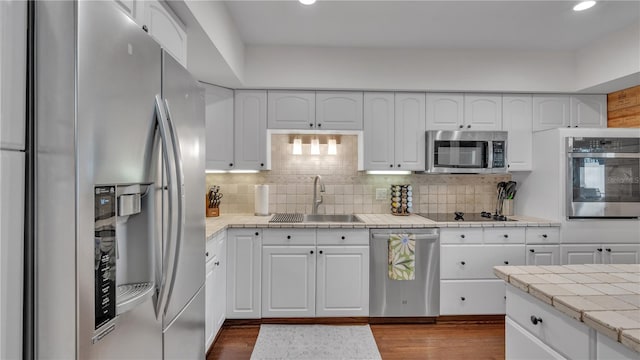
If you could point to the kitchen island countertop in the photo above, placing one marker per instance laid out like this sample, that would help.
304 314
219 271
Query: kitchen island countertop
369 221
603 297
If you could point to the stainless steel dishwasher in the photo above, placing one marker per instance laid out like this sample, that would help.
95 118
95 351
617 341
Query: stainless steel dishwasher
405 298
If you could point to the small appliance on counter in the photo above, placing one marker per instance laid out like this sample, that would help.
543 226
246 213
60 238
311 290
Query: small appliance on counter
401 200
213 201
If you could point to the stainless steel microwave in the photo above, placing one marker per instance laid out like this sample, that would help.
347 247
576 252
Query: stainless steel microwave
466 152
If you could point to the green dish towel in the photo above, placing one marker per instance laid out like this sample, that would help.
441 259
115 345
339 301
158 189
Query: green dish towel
402 256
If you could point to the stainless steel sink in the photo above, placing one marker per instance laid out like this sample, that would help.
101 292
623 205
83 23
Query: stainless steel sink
332 218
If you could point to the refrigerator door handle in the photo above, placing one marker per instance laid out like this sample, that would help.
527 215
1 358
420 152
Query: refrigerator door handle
169 256
181 198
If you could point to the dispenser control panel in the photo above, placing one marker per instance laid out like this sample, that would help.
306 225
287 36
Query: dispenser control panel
105 254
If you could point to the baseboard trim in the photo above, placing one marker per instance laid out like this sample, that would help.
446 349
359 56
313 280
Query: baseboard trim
471 319
402 320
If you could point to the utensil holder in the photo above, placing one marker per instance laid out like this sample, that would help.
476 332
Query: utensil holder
507 207
213 212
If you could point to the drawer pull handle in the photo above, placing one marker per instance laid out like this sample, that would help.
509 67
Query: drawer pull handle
531 250
462 263
506 236
343 238
462 236
544 236
288 237
506 262
217 263
463 298
535 320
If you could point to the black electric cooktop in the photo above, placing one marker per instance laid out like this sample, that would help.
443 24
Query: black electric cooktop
471 217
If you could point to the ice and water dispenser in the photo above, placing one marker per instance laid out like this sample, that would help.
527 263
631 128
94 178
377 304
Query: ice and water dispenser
124 250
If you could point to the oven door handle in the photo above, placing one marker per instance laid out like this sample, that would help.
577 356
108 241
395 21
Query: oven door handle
606 155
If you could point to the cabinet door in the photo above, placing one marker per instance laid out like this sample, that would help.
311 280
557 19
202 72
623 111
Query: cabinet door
445 111
250 130
130 7
209 306
483 111
409 131
621 254
13 53
291 109
543 255
11 252
167 29
472 297
343 281
379 129
219 123
288 281
550 111
521 344
581 254
339 110
589 111
517 120
220 285
244 266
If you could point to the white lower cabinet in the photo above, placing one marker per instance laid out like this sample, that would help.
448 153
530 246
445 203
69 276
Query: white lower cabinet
522 345
244 269
215 285
472 297
543 255
342 281
302 279
609 349
600 254
288 281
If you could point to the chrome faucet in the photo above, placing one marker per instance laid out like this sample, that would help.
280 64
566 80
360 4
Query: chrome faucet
316 202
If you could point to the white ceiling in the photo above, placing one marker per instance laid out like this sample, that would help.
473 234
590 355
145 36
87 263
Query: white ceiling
517 25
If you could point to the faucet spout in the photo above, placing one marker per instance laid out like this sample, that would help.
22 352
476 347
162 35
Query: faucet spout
316 201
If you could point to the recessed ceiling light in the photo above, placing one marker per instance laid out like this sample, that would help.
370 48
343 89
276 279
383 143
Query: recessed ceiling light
307 2
584 5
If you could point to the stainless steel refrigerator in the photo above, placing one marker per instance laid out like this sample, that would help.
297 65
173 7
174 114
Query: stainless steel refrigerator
120 232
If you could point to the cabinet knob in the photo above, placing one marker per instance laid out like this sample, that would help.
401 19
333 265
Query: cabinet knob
399 165
342 237
288 236
569 126
599 249
319 125
206 254
506 236
462 236
462 263
608 250
535 320
461 126
311 125
145 28
544 236
576 126
217 263
506 262
463 298
230 164
320 251
390 165
311 252
257 233
531 250
261 164
468 126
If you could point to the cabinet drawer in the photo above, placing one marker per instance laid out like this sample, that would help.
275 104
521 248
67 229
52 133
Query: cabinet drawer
521 344
477 261
289 237
343 237
504 235
543 235
471 297
461 236
563 334
210 249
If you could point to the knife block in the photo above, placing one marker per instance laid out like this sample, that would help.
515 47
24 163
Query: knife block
210 212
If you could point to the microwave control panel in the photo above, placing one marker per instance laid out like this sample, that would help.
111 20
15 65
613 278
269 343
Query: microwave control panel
498 154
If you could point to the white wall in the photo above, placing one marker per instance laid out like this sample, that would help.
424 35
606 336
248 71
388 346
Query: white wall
407 69
616 56
219 26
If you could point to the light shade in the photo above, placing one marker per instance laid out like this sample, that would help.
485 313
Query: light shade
315 146
297 146
307 2
332 148
584 5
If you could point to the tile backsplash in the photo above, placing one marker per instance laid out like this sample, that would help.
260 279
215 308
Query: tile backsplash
347 189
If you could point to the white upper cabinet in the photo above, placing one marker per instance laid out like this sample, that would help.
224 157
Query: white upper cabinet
482 111
129 6
165 27
338 110
445 111
550 111
219 127
250 130
379 130
13 52
409 131
517 120
589 111
291 109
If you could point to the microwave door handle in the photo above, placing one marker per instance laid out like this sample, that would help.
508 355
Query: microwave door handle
170 172
181 218
490 153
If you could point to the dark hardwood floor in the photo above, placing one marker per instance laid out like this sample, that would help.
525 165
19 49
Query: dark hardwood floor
445 340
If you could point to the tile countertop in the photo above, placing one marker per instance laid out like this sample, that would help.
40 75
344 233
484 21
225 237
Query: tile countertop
220 223
604 297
